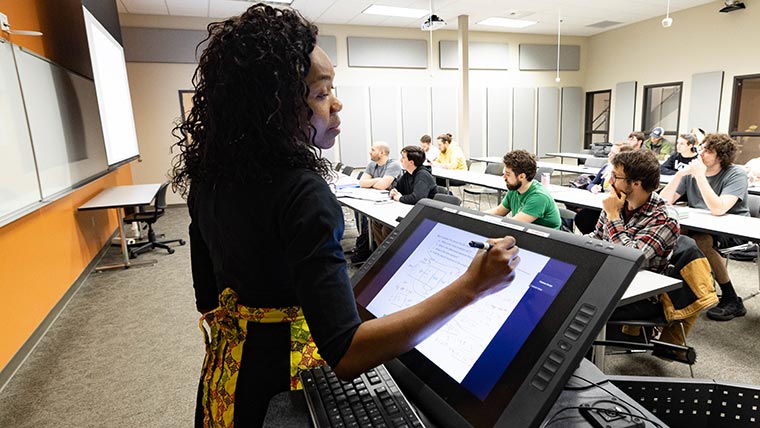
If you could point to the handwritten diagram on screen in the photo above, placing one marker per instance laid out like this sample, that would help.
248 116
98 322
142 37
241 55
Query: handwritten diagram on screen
439 259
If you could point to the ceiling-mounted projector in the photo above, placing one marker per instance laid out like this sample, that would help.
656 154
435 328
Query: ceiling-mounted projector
433 23
732 5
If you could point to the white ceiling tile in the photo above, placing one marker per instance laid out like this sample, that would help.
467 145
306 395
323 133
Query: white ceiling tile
188 7
227 8
577 14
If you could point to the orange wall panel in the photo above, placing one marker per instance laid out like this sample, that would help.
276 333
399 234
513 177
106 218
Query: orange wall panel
23 15
42 255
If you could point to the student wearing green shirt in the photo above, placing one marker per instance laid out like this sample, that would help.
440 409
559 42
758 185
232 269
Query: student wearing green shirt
527 200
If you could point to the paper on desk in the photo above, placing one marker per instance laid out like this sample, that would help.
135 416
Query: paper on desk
364 194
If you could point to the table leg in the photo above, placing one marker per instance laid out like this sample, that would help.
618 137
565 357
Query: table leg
598 351
369 233
124 251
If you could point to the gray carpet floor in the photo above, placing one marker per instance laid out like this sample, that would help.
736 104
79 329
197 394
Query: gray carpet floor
126 351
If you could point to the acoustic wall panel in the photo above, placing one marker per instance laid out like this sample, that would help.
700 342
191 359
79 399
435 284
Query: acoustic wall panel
483 56
330 46
415 114
355 125
524 119
444 102
624 97
544 57
570 137
162 45
477 121
391 53
548 121
704 105
385 114
499 115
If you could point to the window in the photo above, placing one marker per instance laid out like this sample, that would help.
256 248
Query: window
745 117
597 117
662 107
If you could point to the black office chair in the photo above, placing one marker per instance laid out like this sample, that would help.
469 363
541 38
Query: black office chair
150 215
338 166
568 220
449 199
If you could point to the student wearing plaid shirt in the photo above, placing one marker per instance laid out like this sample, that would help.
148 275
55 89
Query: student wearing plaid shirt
634 216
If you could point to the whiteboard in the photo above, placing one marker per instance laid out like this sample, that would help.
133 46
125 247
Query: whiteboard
18 176
62 112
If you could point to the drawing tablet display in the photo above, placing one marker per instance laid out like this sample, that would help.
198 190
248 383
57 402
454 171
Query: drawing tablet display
500 360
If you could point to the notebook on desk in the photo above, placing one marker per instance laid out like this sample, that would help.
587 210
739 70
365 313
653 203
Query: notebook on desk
503 360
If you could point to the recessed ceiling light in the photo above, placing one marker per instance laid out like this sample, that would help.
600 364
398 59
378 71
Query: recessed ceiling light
506 22
403 12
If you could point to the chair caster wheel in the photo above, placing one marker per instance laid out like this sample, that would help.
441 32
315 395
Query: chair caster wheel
132 255
170 250
182 242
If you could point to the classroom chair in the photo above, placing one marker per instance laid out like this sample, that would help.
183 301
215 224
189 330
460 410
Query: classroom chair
449 199
750 247
680 309
470 189
149 215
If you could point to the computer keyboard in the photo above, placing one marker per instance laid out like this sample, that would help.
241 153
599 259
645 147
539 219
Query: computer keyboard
371 400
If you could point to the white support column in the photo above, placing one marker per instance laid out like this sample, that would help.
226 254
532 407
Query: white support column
463 94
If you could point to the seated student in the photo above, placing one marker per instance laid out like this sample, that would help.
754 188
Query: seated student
451 155
379 174
526 200
635 216
431 151
753 170
585 218
636 140
686 151
381 170
415 182
712 182
658 144
601 181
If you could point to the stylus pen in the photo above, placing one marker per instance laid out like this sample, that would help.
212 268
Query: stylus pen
482 245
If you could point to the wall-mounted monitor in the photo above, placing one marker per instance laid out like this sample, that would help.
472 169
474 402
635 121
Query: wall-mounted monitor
112 87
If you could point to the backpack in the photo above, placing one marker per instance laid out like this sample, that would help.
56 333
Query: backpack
601 150
581 182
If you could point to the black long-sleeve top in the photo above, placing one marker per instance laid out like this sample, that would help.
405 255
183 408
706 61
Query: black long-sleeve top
416 186
276 244
675 163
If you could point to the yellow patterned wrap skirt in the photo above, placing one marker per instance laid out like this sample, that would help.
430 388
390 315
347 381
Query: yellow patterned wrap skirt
224 350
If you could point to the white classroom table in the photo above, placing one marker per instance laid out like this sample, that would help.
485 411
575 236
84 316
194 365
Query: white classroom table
119 197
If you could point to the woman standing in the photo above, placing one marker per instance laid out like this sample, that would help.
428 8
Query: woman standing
265 229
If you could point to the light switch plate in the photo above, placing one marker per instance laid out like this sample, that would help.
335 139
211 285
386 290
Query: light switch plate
4 25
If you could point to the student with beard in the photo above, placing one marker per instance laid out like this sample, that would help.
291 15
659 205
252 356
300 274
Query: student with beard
526 199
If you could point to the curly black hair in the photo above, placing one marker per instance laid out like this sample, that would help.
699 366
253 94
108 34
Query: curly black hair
249 117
